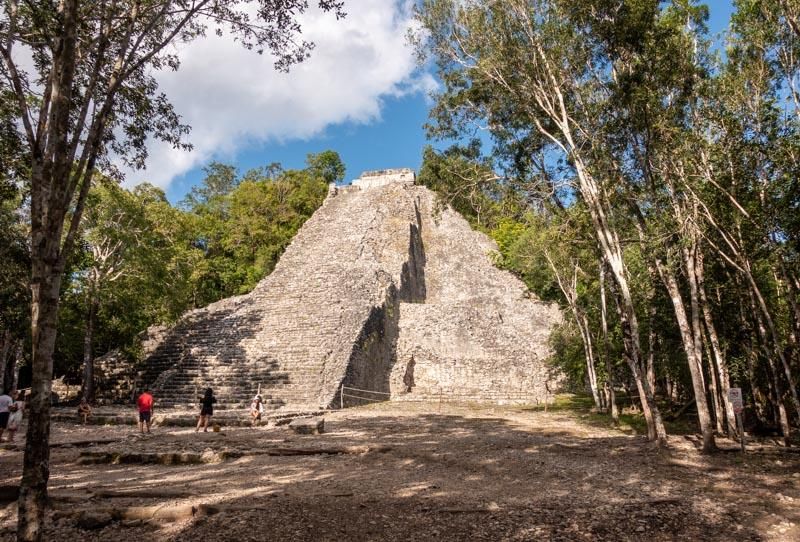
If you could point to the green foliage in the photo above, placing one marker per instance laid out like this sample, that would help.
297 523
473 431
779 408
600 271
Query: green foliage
209 197
134 265
568 356
326 165
145 262
468 183
616 124
14 263
245 231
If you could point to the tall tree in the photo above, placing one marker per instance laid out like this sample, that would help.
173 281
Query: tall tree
89 91
121 238
527 71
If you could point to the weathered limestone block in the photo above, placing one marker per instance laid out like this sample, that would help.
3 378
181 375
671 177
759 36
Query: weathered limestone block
308 426
479 336
384 177
116 373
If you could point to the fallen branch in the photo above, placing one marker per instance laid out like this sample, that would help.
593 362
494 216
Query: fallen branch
165 458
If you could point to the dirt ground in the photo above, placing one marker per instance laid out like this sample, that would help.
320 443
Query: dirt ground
416 472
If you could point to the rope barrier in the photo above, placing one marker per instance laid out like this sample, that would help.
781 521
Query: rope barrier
368 391
361 398
342 395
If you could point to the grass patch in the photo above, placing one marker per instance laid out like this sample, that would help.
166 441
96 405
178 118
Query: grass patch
631 420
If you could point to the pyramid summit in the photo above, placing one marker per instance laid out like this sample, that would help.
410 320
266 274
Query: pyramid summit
382 289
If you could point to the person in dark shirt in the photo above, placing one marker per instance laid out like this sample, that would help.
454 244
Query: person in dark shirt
206 410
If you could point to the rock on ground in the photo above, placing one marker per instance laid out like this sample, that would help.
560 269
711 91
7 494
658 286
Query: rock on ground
308 426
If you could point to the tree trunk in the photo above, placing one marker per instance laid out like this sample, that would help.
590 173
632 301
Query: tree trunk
773 332
45 283
694 357
791 296
652 337
790 293
650 366
550 97
640 227
609 386
655 424
51 196
690 256
720 363
590 362
570 290
759 397
88 354
713 388
777 391
16 362
4 352
13 364
670 390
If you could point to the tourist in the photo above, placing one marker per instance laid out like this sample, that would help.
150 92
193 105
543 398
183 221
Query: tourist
206 410
17 409
5 402
145 404
256 409
84 410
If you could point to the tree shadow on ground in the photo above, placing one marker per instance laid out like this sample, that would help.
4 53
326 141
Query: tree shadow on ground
523 476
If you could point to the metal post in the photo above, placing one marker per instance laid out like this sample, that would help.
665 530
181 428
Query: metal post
740 424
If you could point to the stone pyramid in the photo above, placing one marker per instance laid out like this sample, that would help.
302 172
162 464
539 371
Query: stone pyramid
381 291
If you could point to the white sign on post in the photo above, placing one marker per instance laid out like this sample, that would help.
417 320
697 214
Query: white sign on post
735 397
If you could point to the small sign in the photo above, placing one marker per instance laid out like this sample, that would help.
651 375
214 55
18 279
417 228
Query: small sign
735 397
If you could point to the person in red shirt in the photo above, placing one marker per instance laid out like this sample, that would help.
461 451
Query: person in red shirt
145 404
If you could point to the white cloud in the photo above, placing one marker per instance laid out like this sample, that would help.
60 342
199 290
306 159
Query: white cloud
232 97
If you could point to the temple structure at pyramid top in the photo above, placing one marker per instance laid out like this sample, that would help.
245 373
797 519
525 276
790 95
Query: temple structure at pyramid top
382 177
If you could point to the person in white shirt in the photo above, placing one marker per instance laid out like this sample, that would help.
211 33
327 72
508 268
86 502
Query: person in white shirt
256 410
5 404
17 409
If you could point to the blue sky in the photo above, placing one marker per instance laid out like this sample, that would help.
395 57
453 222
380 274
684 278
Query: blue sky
395 139
375 117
